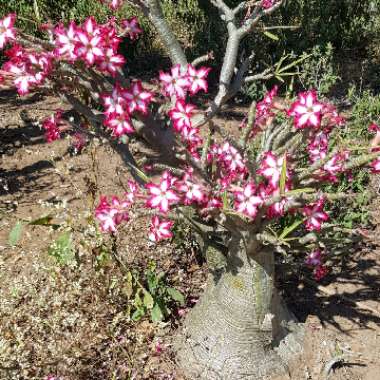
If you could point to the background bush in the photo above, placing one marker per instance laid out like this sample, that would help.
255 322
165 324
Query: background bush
349 27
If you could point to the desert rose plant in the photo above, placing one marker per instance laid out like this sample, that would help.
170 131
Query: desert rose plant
233 187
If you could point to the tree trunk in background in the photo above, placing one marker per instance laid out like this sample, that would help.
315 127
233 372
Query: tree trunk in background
229 334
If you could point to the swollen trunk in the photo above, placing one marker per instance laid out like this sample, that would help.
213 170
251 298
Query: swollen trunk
229 333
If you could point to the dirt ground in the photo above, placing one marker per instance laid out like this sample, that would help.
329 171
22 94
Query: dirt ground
71 323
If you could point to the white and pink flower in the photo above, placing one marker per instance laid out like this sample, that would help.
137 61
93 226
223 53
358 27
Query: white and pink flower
176 83
271 167
162 196
247 201
131 27
197 79
181 115
137 98
111 214
315 216
307 111
160 229
120 124
7 30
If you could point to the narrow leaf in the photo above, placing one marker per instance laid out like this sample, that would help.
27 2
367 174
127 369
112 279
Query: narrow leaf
299 191
271 36
44 221
225 200
15 234
283 176
289 229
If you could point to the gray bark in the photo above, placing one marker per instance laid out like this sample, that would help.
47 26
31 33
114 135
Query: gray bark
230 333
167 36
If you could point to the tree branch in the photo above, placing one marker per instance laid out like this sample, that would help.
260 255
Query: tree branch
171 44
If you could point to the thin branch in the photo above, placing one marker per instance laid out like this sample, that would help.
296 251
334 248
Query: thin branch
252 21
204 58
265 75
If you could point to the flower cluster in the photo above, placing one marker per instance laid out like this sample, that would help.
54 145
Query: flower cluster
181 80
91 42
26 69
121 103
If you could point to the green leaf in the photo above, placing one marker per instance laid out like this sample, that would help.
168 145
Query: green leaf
271 36
44 221
283 176
300 191
148 300
156 313
15 234
138 314
140 173
176 295
138 301
288 230
62 249
152 281
225 200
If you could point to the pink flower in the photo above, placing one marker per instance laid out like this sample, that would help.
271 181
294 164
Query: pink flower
133 191
181 115
374 127
271 168
192 192
314 258
115 102
277 209
137 99
197 79
7 31
113 4
335 166
131 28
50 125
90 42
265 107
318 146
160 230
79 141
320 272
232 159
307 111
161 196
375 166
315 215
176 83
119 124
268 3
110 215
111 62
65 41
247 201
27 69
